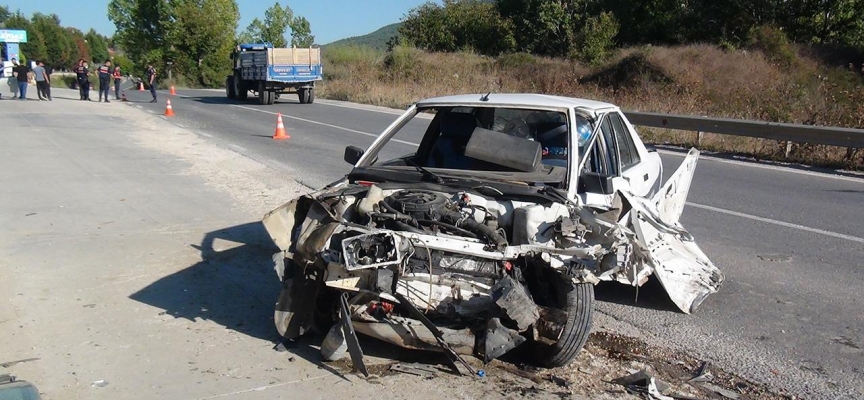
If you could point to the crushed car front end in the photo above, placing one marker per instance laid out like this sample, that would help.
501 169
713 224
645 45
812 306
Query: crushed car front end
470 261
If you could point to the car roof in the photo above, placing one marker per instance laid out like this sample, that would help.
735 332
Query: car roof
518 99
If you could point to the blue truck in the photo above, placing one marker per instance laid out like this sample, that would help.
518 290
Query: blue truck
269 72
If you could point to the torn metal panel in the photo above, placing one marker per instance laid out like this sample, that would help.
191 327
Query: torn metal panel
670 200
681 267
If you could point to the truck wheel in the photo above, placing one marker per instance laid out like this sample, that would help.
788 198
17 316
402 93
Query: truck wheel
230 89
301 95
310 95
262 93
271 98
240 88
577 302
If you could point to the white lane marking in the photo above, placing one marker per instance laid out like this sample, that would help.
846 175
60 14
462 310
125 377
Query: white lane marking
327 125
363 107
779 223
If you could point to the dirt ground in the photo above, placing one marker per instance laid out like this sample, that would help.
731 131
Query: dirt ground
134 266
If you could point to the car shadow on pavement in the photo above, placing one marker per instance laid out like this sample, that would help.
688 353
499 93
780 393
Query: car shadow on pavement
650 296
234 285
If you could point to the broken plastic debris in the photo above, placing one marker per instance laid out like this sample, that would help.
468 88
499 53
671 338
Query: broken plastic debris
100 383
717 389
702 374
481 373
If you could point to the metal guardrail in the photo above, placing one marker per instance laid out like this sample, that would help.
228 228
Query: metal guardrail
844 137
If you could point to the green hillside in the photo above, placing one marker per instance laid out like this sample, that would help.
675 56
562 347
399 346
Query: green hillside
377 40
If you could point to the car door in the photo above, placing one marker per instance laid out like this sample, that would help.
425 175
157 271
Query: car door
601 168
640 172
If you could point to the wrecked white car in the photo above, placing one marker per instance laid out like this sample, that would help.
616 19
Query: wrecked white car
490 236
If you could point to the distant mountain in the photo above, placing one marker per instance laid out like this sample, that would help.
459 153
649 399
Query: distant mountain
377 40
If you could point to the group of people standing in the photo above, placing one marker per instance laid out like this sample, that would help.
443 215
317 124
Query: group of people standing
106 73
20 80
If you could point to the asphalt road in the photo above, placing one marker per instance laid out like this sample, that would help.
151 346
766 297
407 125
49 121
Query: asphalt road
789 240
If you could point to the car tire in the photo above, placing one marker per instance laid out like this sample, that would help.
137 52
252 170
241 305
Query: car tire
577 301
230 89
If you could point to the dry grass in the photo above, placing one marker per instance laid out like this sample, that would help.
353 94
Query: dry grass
693 79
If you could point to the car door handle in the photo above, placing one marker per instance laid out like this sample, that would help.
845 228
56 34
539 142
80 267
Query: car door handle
645 178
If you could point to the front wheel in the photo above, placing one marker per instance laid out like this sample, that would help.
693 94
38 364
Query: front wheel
230 89
575 302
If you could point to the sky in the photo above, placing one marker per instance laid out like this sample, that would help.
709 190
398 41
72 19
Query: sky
330 19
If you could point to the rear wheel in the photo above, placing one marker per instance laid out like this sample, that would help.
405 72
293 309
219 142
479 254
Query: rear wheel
271 98
310 97
230 89
302 95
576 302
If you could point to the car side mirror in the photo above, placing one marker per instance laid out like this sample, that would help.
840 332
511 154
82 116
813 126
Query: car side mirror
592 182
651 148
353 154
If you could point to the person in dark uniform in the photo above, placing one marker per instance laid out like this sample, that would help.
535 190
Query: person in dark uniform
118 78
151 80
81 73
104 80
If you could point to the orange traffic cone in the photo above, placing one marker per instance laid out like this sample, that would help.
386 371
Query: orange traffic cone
280 129
141 86
173 92
169 112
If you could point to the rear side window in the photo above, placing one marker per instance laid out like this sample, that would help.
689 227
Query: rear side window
610 148
629 155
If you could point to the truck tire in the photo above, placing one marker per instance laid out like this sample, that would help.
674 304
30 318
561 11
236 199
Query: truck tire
262 93
230 89
577 301
310 96
301 95
271 98
240 87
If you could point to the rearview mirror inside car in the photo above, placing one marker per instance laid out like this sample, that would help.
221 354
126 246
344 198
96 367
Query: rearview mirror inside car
353 154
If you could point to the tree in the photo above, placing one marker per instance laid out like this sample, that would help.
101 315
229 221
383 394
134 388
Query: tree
4 15
253 32
59 48
98 46
202 37
471 25
301 33
142 27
